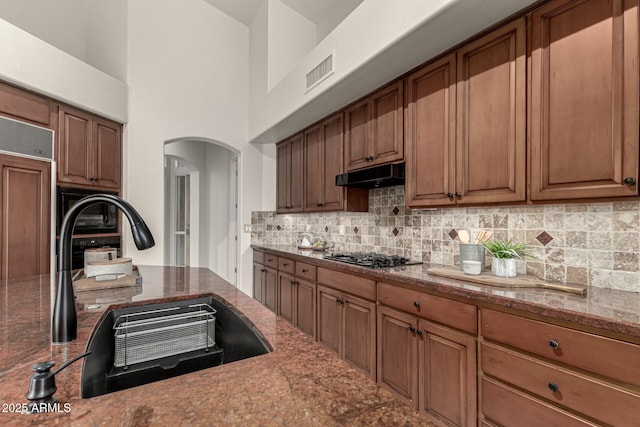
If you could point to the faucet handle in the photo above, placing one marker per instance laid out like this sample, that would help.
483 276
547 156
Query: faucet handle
43 367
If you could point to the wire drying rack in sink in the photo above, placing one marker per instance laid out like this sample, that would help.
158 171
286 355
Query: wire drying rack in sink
155 334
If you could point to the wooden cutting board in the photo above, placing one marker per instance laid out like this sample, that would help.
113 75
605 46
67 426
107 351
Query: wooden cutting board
82 283
520 281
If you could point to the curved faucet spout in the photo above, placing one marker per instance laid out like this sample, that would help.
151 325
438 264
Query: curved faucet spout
64 325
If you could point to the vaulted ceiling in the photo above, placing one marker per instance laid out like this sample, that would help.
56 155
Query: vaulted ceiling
245 10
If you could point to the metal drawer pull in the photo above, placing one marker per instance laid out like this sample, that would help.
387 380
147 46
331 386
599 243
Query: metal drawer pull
553 387
554 344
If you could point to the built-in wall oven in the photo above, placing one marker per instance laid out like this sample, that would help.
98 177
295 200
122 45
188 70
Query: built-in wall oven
97 226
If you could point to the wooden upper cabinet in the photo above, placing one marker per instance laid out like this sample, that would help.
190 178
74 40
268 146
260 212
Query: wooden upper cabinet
491 117
89 150
313 179
323 160
374 129
430 134
465 123
289 175
26 106
584 99
332 162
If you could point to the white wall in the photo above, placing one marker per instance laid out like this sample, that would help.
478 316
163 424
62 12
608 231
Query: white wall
188 68
377 42
92 31
34 64
217 217
334 16
290 37
106 36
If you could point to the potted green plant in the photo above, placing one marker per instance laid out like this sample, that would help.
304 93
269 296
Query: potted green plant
505 253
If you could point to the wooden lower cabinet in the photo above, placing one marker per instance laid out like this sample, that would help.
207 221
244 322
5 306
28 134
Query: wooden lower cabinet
270 289
346 325
506 406
579 376
297 302
258 281
430 366
305 307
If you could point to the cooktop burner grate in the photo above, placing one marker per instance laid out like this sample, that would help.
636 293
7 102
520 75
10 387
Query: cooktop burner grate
370 259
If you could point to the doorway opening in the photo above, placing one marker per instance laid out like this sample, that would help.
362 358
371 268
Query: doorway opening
201 206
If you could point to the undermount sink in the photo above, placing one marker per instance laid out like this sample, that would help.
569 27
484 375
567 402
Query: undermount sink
137 345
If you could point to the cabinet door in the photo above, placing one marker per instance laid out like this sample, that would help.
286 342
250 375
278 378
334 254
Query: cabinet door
398 354
332 163
282 176
26 106
296 176
74 146
25 187
360 334
329 319
107 154
270 296
584 99
430 134
313 179
387 142
357 134
289 175
258 282
286 289
491 111
305 307
447 372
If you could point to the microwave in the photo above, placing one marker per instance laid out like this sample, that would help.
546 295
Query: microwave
98 218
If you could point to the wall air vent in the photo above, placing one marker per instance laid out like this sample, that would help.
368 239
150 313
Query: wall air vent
321 72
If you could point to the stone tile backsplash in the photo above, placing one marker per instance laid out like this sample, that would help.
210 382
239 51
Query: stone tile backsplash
593 244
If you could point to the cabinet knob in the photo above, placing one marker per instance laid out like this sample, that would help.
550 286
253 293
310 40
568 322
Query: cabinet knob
419 332
457 194
284 264
629 181
416 304
554 344
450 195
412 329
320 204
553 387
304 270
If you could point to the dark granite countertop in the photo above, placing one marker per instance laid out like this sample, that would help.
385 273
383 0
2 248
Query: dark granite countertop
300 383
611 311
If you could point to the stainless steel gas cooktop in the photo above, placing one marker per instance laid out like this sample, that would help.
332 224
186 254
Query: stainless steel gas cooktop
370 259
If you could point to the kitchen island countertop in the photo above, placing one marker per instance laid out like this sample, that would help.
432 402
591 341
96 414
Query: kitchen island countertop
300 383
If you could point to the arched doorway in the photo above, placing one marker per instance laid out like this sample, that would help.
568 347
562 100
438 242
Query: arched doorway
201 205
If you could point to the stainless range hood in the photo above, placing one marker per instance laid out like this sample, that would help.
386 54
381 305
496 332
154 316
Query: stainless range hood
374 177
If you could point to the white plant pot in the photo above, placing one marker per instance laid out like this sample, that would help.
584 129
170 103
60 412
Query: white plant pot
504 267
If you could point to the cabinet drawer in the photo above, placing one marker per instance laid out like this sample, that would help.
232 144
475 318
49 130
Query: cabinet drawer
355 285
306 271
508 407
592 397
448 312
258 256
605 356
286 265
270 260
